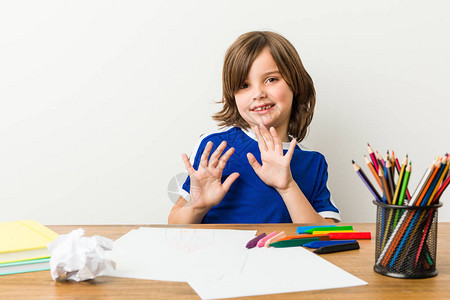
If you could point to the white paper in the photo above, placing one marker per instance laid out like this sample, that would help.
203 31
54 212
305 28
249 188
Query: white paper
277 270
75 257
180 254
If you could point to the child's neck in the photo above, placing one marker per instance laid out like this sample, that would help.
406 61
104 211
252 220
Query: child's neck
283 135
285 139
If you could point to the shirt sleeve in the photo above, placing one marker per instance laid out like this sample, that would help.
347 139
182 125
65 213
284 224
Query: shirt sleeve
323 202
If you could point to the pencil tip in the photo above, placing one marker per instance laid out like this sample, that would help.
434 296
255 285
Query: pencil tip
353 161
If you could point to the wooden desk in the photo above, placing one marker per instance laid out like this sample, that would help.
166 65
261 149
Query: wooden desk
39 285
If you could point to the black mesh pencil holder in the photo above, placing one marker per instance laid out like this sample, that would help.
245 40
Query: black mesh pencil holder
406 240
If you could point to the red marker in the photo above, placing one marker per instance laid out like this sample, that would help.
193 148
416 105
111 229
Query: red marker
350 236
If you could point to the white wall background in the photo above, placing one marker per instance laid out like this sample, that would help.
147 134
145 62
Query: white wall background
98 99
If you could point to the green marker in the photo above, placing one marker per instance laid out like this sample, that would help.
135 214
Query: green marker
331 228
293 242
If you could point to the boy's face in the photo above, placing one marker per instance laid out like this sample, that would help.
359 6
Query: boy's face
265 98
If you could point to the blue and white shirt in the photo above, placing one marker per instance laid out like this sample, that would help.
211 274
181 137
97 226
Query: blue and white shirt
249 199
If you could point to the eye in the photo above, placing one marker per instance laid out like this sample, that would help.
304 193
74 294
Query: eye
272 79
243 86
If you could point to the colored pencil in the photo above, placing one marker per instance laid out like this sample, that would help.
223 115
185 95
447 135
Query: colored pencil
424 236
395 200
389 179
392 160
389 158
397 167
366 181
436 182
380 159
436 166
421 185
441 190
404 184
386 194
373 171
372 156
447 171
407 238
403 227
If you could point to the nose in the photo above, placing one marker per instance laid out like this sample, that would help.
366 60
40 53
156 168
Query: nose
259 92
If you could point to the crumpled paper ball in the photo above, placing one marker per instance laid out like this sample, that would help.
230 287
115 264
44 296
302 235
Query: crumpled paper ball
76 257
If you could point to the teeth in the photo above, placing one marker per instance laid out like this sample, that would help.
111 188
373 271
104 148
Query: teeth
262 107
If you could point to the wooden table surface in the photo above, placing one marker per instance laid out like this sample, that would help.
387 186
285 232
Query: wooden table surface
39 285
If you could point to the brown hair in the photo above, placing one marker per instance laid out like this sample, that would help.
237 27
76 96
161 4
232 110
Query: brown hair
238 60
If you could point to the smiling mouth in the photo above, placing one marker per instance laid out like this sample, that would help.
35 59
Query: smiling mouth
263 107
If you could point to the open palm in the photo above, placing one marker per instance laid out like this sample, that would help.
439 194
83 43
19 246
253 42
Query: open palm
275 170
207 189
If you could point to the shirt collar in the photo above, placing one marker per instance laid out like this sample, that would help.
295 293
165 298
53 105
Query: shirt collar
252 135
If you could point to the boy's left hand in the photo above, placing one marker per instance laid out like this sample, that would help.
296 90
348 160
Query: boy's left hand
275 170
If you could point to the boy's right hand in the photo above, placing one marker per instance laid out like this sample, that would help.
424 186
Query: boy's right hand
207 189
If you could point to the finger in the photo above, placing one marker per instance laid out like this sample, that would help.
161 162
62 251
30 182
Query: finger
187 164
229 181
261 142
253 162
224 159
290 152
214 159
205 155
268 137
277 141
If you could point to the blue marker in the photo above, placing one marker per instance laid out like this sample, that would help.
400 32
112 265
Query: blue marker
319 244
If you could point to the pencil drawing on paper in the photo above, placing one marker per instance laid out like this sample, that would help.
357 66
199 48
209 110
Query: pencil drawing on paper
189 240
